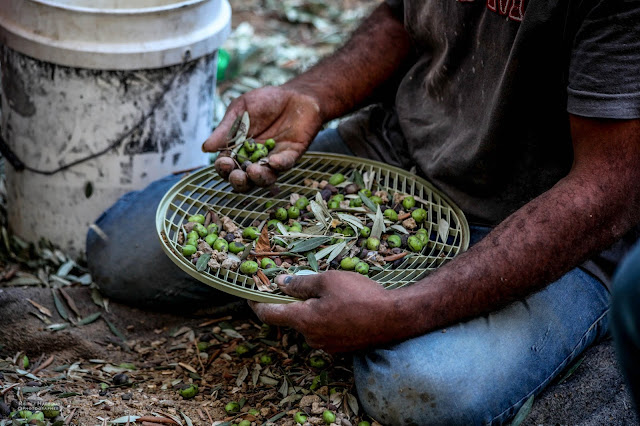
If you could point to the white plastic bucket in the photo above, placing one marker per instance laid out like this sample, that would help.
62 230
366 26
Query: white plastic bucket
99 98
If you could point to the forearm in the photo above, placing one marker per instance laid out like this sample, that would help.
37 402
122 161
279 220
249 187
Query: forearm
342 81
584 213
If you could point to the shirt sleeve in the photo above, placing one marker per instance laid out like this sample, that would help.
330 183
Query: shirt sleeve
604 76
397 7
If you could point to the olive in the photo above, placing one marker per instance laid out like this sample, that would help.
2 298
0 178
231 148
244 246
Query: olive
270 144
317 362
260 152
244 166
365 192
50 412
232 407
373 243
352 188
408 202
336 179
211 239
244 423
338 197
394 241
268 204
419 215
249 267
203 346
404 239
193 235
251 233
242 350
328 416
415 244
362 268
334 264
364 423
200 229
197 218
221 245
422 234
236 247
189 391
365 231
363 253
391 215
24 414
249 145
212 228
302 203
299 417
39 416
348 263
253 412
293 212
325 194
242 155
229 237
296 227
356 202
281 214
224 166
267 263
273 224
376 200
266 359
333 204
189 249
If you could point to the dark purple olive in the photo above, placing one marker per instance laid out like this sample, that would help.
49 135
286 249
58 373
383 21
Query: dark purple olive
352 188
334 264
363 253
396 250
326 194
404 240
396 263
229 237
246 164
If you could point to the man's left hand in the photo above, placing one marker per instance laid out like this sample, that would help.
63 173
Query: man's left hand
338 311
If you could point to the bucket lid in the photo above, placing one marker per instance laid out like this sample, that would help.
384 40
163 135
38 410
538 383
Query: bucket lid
114 34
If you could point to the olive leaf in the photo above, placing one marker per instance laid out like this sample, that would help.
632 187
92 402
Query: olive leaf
523 412
325 251
313 262
318 212
282 229
337 250
89 318
357 178
242 374
443 230
201 264
353 403
310 244
378 225
59 306
367 202
399 228
351 220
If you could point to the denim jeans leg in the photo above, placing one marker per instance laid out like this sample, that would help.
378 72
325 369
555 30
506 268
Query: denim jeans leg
625 320
483 370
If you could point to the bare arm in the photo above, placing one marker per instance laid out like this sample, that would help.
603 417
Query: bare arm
593 206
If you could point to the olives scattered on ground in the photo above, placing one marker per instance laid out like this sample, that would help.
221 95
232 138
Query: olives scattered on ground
302 203
373 243
391 215
189 391
249 267
251 233
281 214
348 263
362 268
299 417
317 362
221 245
336 179
293 212
376 200
415 244
236 247
267 263
408 202
328 416
365 231
197 218
266 359
394 241
333 204
356 202
244 423
188 250
232 407
419 215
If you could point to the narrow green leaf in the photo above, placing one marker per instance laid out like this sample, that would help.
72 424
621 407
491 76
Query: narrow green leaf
523 412
325 251
59 306
367 202
310 244
201 264
282 229
337 250
89 318
378 224
246 251
65 268
571 370
399 228
185 417
351 220
114 330
277 417
318 212
68 394
313 262
357 178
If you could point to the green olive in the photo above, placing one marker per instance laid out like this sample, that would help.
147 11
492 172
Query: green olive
266 359
362 268
242 350
211 239
364 423
391 214
419 215
328 416
315 384
317 362
373 243
415 244
348 231
281 214
254 412
249 145
268 204
293 212
295 227
212 228
394 241
189 392
302 203
422 234
336 179
197 218
25 414
232 407
242 155
200 229
270 144
249 267
299 417
244 423
356 202
348 263
365 192
236 247
193 235
39 415
189 249
376 200
365 231
273 224
260 152
333 204
203 346
50 411
221 245
338 197
267 263
251 233
408 202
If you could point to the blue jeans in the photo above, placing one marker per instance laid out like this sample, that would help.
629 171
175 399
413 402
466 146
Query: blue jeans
625 320
478 371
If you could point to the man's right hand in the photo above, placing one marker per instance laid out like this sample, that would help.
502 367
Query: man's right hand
291 118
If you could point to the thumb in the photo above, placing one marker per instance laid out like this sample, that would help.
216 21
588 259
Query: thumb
219 138
301 287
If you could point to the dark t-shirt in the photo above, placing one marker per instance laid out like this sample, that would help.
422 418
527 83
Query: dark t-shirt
483 112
